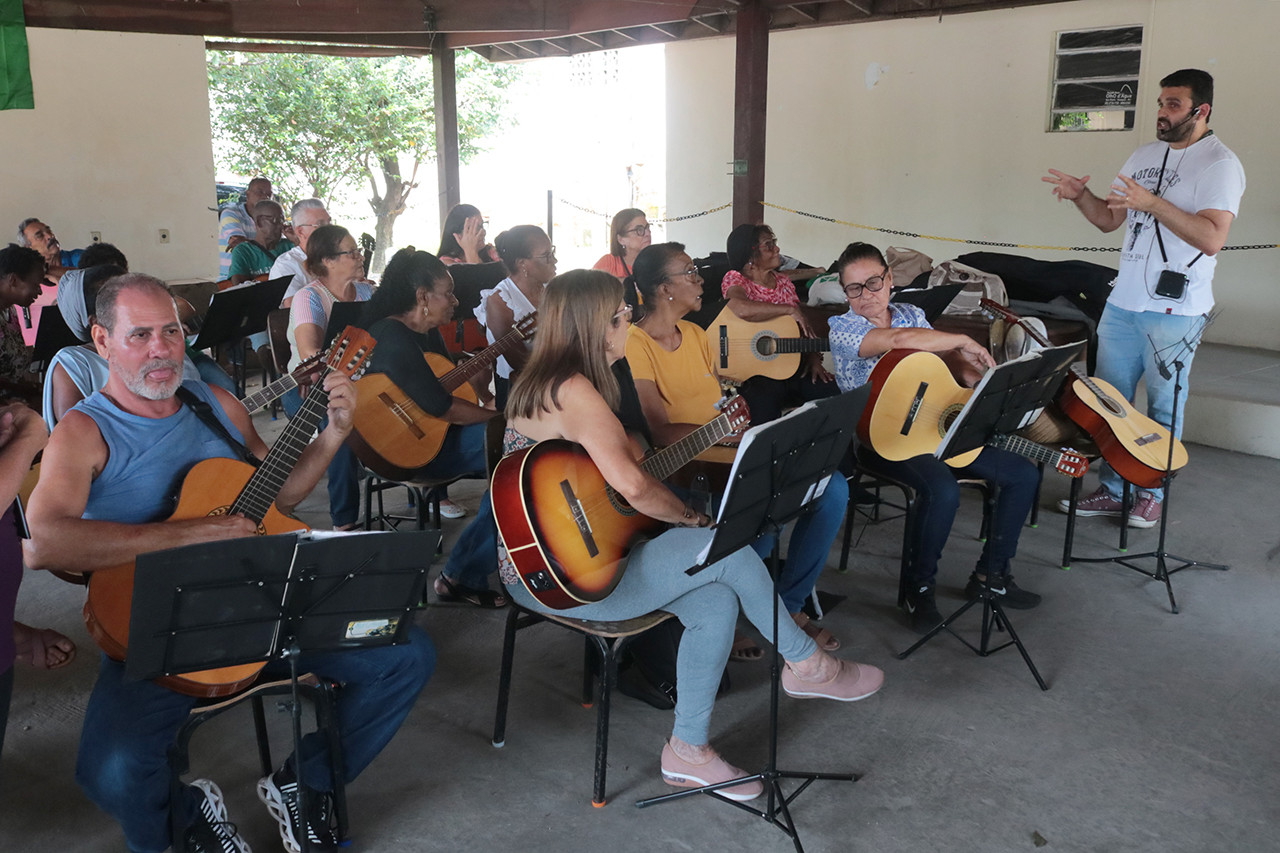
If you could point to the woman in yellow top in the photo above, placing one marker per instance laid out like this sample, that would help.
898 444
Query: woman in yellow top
679 391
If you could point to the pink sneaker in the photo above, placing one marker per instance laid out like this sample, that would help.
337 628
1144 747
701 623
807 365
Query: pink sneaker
682 774
1100 503
852 681
1146 512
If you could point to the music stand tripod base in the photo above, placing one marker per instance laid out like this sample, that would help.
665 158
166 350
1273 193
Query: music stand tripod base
993 618
774 476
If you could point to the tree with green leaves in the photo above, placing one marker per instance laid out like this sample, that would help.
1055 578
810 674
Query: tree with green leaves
317 125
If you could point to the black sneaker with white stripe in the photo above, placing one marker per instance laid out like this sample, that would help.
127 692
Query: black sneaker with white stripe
279 792
1008 592
210 831
922 609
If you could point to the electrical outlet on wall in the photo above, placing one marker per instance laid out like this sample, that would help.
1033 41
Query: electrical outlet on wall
164 235
95 236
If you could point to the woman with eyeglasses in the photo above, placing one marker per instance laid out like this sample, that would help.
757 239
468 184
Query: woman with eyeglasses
462 238
338 266
568 391
872 327
530 259
679 392
758 290
629 233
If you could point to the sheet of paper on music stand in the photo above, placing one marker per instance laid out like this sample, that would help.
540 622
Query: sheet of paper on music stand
749 438
1008 397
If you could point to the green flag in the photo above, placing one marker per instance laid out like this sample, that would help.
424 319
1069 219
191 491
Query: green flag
15 61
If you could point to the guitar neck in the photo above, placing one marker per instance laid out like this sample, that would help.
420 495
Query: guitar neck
1030 449
265 484
271 393
672 458
792 345
482 360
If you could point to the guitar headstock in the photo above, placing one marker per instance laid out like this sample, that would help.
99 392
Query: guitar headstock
350 352
736 410
526 327
995 309
1071 463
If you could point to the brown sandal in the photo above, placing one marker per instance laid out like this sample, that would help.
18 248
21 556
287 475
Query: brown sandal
744 649
824 638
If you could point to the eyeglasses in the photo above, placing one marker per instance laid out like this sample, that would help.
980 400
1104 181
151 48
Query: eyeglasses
354 254
639 230
312 224
874 284
691 272
273 220
770 245
621 313
547 257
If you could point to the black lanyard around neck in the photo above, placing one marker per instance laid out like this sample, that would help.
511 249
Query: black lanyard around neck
1160 240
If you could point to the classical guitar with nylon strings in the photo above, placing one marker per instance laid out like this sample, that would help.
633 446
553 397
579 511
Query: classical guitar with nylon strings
221 487
1132 443
914 400
392 436
741 348
565 529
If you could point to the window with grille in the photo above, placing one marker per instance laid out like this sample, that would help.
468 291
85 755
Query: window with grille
1095 79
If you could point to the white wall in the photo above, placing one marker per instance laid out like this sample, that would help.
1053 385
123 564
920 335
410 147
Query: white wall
119 143
951 141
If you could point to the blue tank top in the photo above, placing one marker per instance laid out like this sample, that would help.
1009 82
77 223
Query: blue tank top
149 457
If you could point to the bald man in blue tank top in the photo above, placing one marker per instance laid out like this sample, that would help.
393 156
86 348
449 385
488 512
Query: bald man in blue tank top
110 476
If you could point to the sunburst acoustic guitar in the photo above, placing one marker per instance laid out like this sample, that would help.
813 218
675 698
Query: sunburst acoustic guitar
225 486
565 529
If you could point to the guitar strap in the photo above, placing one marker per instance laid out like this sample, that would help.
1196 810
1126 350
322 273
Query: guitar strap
205 413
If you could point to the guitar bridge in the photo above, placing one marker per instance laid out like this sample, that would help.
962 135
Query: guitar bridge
914 411
724 347
1144 440
579 518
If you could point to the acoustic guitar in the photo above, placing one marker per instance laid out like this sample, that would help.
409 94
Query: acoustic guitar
914 400
392 436
741 348
565 529
1136 446
275 390
220 487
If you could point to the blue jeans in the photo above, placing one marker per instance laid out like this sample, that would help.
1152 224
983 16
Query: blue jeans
475 555
810 543
128 727
938 497
344 473
1127 344
705 603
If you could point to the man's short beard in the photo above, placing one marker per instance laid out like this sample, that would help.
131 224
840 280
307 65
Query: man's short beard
138 384
1176 132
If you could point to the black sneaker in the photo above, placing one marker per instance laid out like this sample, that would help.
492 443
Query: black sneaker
922 610
210 831
279 792
1010 594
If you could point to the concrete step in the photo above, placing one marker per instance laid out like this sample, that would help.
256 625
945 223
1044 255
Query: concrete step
1235 399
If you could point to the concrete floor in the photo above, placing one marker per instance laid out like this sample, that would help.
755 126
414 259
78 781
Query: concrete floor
1156 734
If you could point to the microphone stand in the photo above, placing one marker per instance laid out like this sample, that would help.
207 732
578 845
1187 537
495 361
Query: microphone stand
1162 557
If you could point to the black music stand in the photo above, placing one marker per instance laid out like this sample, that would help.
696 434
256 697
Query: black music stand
254 599
341 315
781 466
1006 399
1171 355
236 313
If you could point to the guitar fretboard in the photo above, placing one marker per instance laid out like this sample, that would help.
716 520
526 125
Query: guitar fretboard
672 458
487 356
270 393
1030 449
792 345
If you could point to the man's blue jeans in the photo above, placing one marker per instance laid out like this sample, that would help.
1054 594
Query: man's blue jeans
344 473
1128 342
129 725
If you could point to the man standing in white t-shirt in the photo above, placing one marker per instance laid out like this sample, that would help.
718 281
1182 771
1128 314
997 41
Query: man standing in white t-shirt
1177 199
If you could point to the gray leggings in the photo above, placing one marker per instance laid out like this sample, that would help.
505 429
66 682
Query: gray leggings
706 604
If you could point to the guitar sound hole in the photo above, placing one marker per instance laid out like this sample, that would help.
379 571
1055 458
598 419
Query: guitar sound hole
766 346
619 503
